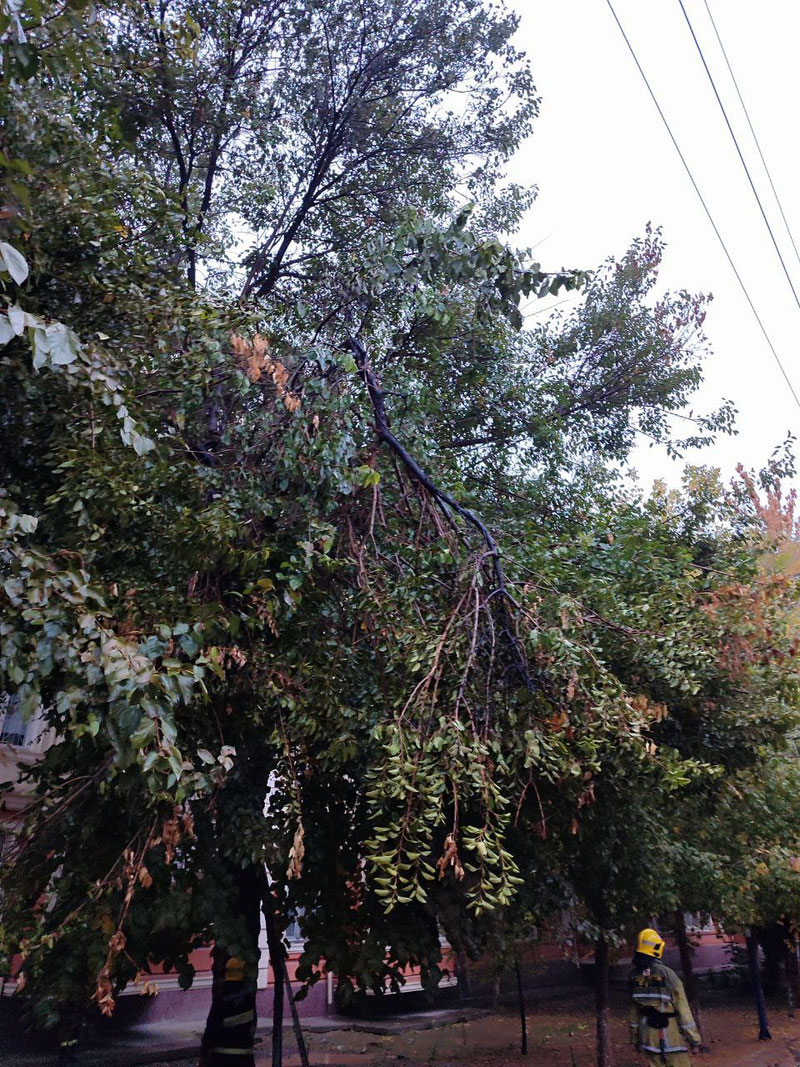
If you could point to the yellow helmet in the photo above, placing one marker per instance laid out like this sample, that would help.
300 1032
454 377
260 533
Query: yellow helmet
234 970
650 943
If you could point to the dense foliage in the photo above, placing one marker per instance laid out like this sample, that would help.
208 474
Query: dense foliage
293 511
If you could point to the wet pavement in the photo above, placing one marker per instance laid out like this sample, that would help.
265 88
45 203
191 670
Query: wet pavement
561 1034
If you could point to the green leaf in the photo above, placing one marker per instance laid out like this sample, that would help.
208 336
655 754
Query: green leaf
63 345
16 316
13 262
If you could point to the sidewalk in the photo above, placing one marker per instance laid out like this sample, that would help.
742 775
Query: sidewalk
162 1042
561 1034
175 1039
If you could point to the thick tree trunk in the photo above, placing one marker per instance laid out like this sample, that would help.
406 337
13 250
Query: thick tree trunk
770 938
686 950
231 1024
758 991
523 1022
601 999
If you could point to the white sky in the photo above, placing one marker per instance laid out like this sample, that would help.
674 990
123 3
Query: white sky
604 165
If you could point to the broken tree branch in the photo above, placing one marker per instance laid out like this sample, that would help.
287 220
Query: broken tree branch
444 499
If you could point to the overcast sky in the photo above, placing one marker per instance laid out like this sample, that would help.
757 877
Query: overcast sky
605 166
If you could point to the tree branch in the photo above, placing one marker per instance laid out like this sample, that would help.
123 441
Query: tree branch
444 500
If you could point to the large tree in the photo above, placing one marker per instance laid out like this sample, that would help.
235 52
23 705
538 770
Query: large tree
297 513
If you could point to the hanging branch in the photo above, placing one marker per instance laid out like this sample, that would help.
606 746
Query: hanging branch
445 501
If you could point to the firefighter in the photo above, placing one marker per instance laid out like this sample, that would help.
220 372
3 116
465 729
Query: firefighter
231 1025
661 1020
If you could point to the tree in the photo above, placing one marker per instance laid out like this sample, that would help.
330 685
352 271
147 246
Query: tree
307 542
682 617
312 126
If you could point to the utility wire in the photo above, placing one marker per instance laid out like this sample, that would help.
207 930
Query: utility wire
705 205
752 131
741 157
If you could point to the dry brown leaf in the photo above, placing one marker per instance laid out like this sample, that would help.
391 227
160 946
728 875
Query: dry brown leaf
103 993
239 345
171 835
449 858
117 942
280 376
297 852
573 680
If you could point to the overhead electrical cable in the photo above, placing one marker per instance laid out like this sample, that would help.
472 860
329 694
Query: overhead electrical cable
741 157
705 205
753 132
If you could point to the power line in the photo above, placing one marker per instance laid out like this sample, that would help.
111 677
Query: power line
741 157
752 131
705 205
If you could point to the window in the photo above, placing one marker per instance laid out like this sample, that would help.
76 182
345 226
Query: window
13 728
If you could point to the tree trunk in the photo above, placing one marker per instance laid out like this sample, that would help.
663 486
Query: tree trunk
687 966
601 998
770 938
462 976
278 971
298 1030
792 969
788 955
523 1022
758 992
228 1043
